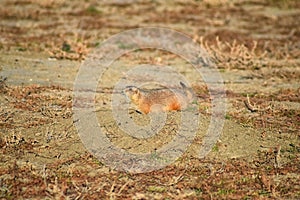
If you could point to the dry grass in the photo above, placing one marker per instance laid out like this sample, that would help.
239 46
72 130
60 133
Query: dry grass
234 55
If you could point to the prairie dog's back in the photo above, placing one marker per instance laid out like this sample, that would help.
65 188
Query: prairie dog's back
167 99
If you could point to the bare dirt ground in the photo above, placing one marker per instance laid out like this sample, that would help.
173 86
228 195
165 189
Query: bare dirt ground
256 47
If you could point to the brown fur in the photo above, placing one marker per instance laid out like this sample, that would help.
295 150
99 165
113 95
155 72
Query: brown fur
165 98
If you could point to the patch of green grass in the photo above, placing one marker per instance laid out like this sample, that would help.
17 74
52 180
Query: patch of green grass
198 191
291 157
21 49
98 162
97 44
264 192
225 191
195 102
245 179
125 46
155 156
247 197
66 47
93 10
5 192
191 109
156 189
215 148
227 116
268 167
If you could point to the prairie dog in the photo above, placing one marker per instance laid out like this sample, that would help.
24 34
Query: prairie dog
167 99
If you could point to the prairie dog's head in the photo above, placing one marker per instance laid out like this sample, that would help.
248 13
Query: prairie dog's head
188 91
133 93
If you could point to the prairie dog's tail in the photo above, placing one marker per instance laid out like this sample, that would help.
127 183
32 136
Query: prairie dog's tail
188 91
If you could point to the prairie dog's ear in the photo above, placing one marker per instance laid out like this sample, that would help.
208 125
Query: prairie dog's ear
135 90
182 84
188 91
132 90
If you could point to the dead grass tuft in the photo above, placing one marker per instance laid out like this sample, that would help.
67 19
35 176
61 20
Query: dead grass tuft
234 55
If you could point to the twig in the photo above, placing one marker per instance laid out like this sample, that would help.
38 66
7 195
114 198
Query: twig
277 157
176 179
111 192
249 105
252 108
122 188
